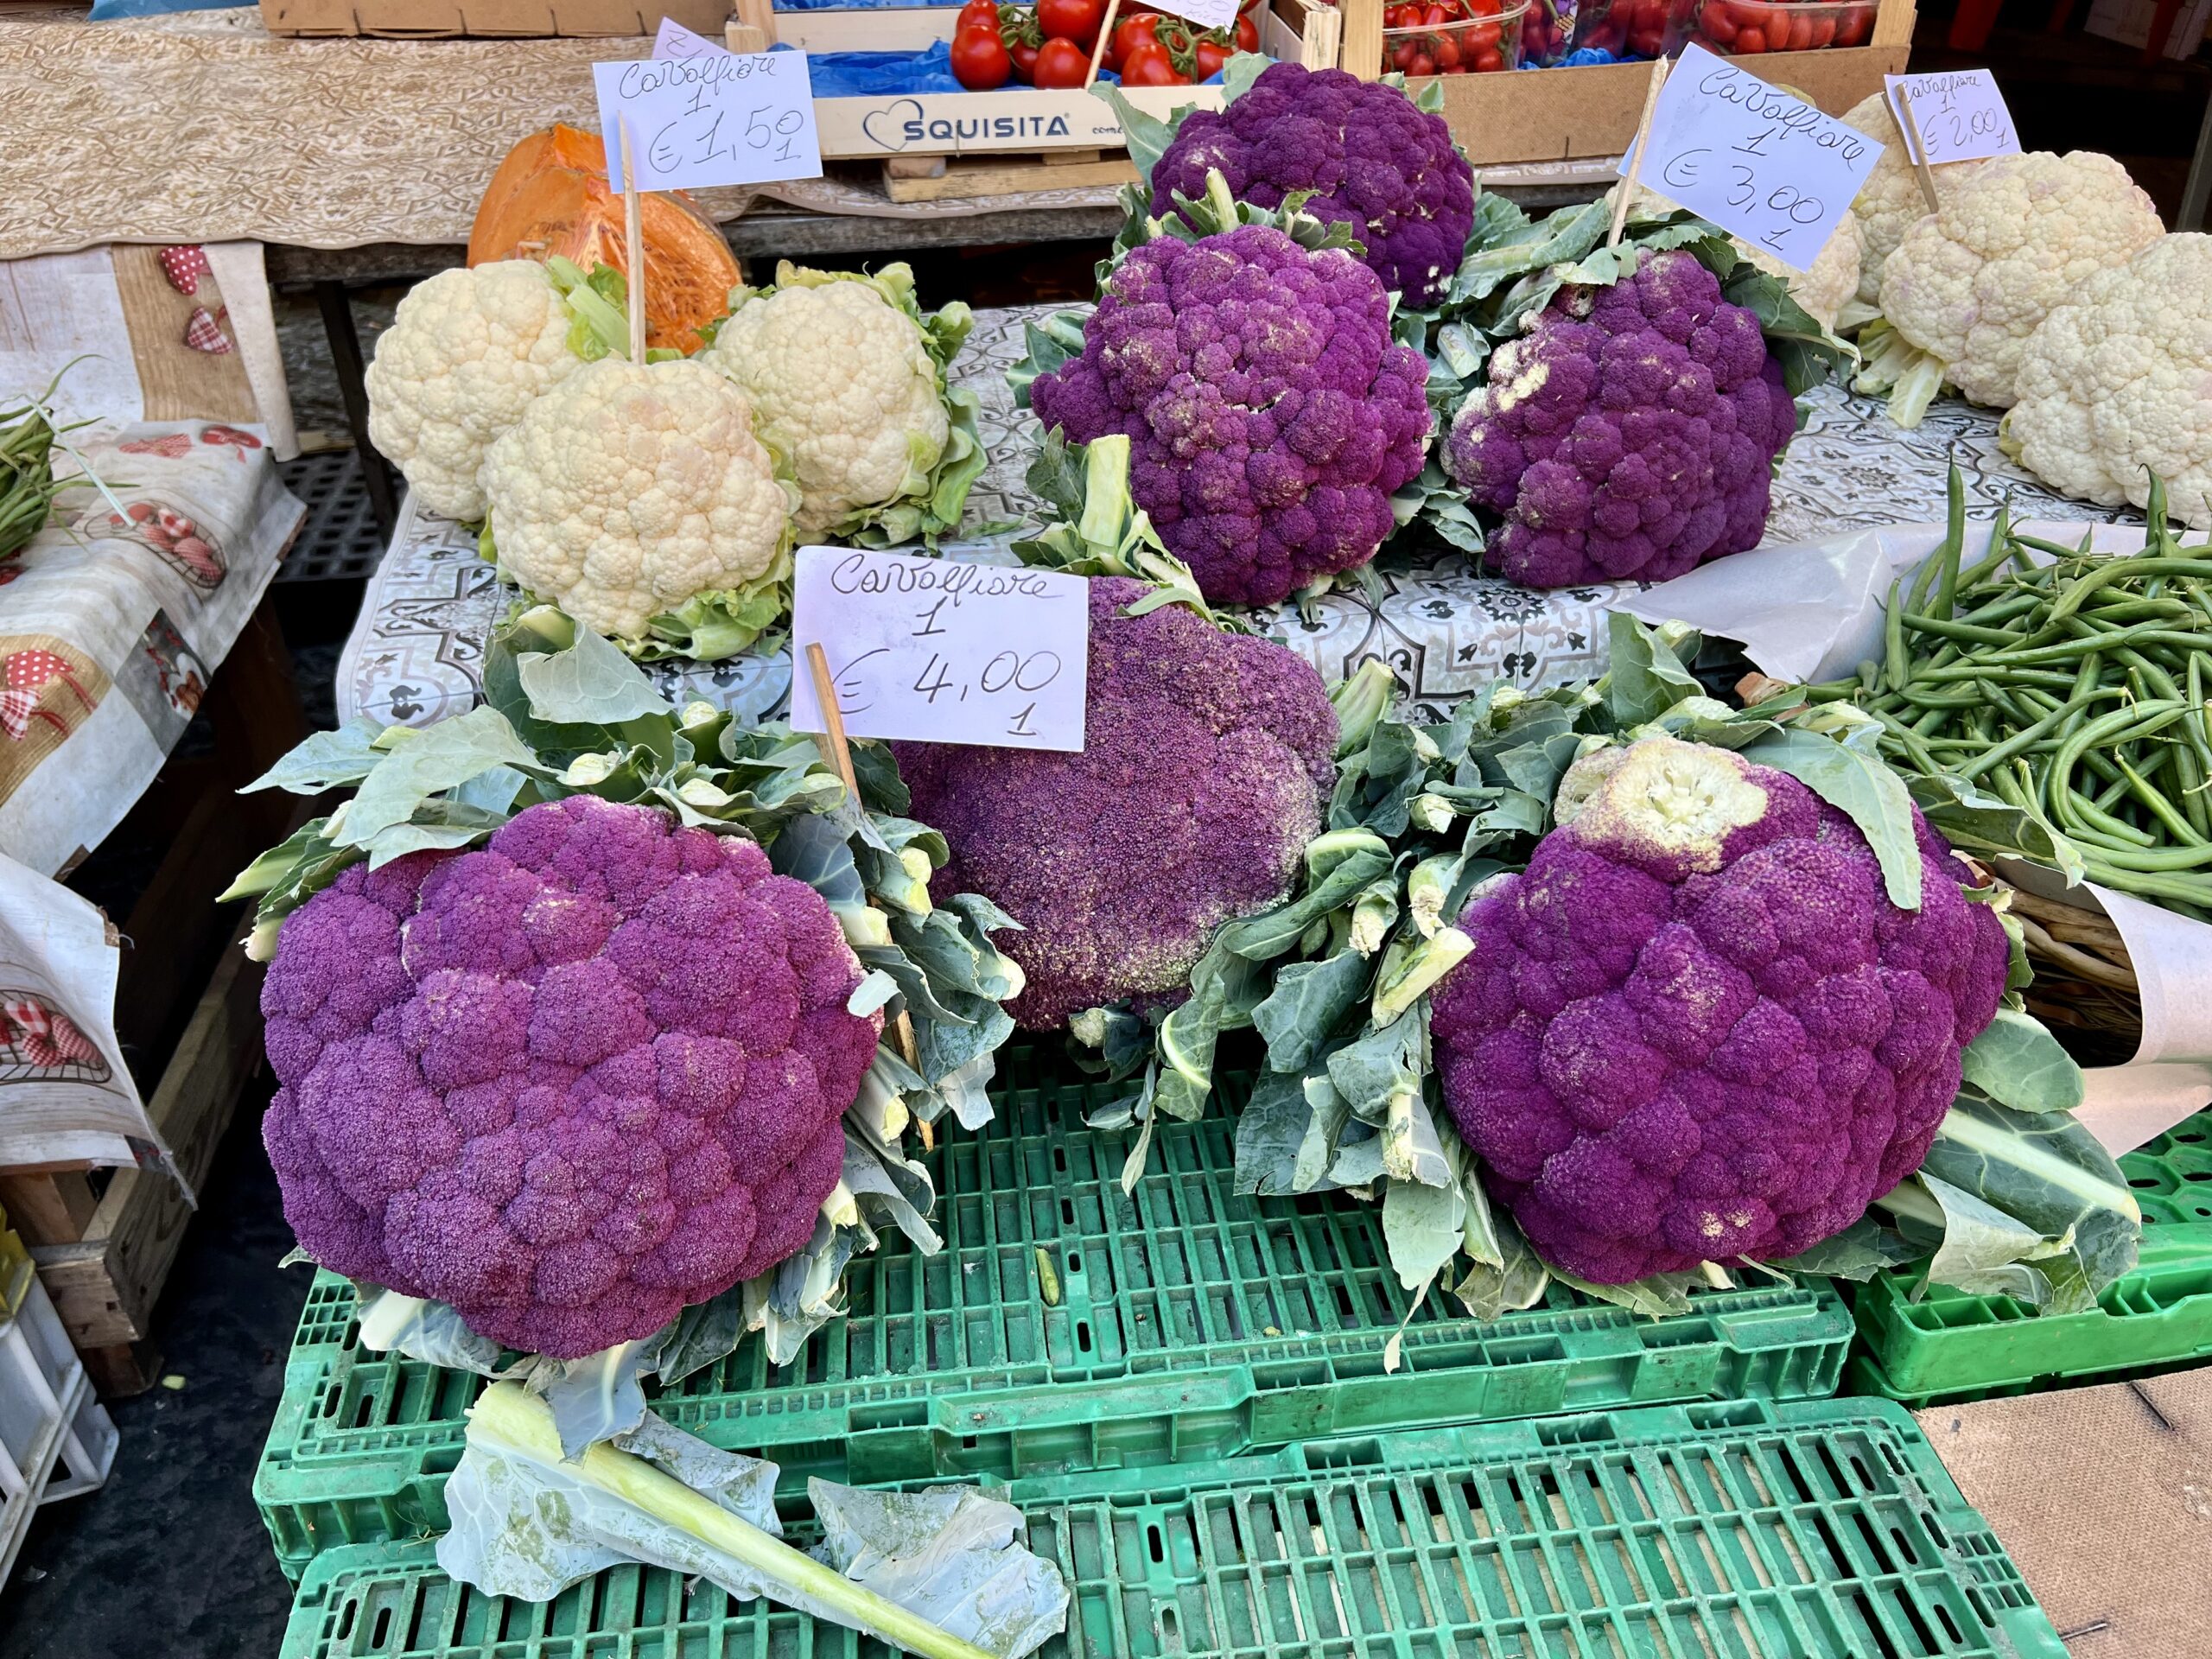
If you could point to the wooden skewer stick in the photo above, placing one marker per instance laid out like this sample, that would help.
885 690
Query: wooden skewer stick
1908 125
1105 33
633 233
1626 191
833 721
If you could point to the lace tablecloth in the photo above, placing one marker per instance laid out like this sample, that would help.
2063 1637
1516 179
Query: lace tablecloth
414 654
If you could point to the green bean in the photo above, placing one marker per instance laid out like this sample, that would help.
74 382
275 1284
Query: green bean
2118 569
1967 631
1954 542
1909 740
2003 673
2158 806
1931 719
2019 742
1896 667
2189 776
2138 720
2086 821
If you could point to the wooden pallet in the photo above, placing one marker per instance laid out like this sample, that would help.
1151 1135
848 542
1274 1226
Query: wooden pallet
937 178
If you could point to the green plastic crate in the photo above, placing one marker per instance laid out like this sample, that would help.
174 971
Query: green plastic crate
1823 1530
1187 1323
1950 1346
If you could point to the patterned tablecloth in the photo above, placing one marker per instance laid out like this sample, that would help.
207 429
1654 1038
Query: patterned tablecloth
414 654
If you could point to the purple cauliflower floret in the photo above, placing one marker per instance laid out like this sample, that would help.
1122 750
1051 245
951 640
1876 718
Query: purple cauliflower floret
570 1083
1695 1028
1630 434
1206 758
1268 413
1375 162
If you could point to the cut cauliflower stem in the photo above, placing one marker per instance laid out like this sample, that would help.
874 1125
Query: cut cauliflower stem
1890 202
1969 284
637 498
468 352
2117 385
846 374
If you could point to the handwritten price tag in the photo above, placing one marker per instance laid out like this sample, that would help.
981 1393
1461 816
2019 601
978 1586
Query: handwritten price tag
720 117
1960 115
1759 163
1206 14
942 651
674 41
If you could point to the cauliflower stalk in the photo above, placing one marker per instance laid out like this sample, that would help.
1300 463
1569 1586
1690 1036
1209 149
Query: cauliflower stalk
1616 413
1343 150
1969 283
639 497
848 377
1270 413
1204 765
1698 985
2115 386
586 1011
469 350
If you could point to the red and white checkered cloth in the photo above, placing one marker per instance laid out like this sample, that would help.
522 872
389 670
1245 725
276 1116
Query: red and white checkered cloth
43 1036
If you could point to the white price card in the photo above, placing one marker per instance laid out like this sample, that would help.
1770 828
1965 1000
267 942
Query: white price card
674 41
1958 114
1206 14
720 118
942 651
1757 161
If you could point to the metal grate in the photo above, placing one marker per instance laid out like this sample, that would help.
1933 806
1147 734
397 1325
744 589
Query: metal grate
340 542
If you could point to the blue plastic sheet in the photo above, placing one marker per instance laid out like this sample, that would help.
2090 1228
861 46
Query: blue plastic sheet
105 11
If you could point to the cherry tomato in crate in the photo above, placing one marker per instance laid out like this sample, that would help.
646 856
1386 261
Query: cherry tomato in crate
1751 40
1487 59
980 59
1061 62
1853 25
1445 50
1071 20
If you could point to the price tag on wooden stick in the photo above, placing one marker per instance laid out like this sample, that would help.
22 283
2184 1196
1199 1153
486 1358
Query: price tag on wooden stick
1758 162
1958 115
1206 14
942 651
728 117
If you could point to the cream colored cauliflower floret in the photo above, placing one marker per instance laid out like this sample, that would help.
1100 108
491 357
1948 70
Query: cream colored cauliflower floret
1889 202
1833 277
631 489
2013 242
468 353
843 381
2117 385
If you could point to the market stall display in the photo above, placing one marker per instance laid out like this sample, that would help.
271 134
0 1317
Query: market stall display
1423 1023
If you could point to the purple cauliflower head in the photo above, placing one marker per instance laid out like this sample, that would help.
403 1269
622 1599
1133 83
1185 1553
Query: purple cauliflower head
1269 414
1695 1028
1630 434
569 1083
1206 758
1373 161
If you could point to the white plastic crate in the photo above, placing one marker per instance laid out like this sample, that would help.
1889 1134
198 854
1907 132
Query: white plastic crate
56 1439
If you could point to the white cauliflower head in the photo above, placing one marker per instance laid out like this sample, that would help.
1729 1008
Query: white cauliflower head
1969 284
1833 279
468 352
637 498
1890 202
847 375
2117 385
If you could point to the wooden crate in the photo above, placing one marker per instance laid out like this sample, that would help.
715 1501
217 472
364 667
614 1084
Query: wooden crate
104 1241
1014 121
1571 114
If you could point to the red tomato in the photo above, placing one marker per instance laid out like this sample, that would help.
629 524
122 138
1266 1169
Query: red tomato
1434 16
1061 63
977 12
1127 33
1148 66
1421 65
1486 60
1071 20
1482 37
1823 30
1853 27
980 59
1718 26
1247 33
1751 40
1447 53
1207 57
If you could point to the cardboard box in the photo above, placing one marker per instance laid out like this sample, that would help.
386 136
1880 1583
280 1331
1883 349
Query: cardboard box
1014 119
490 19
2129 23
1560 114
